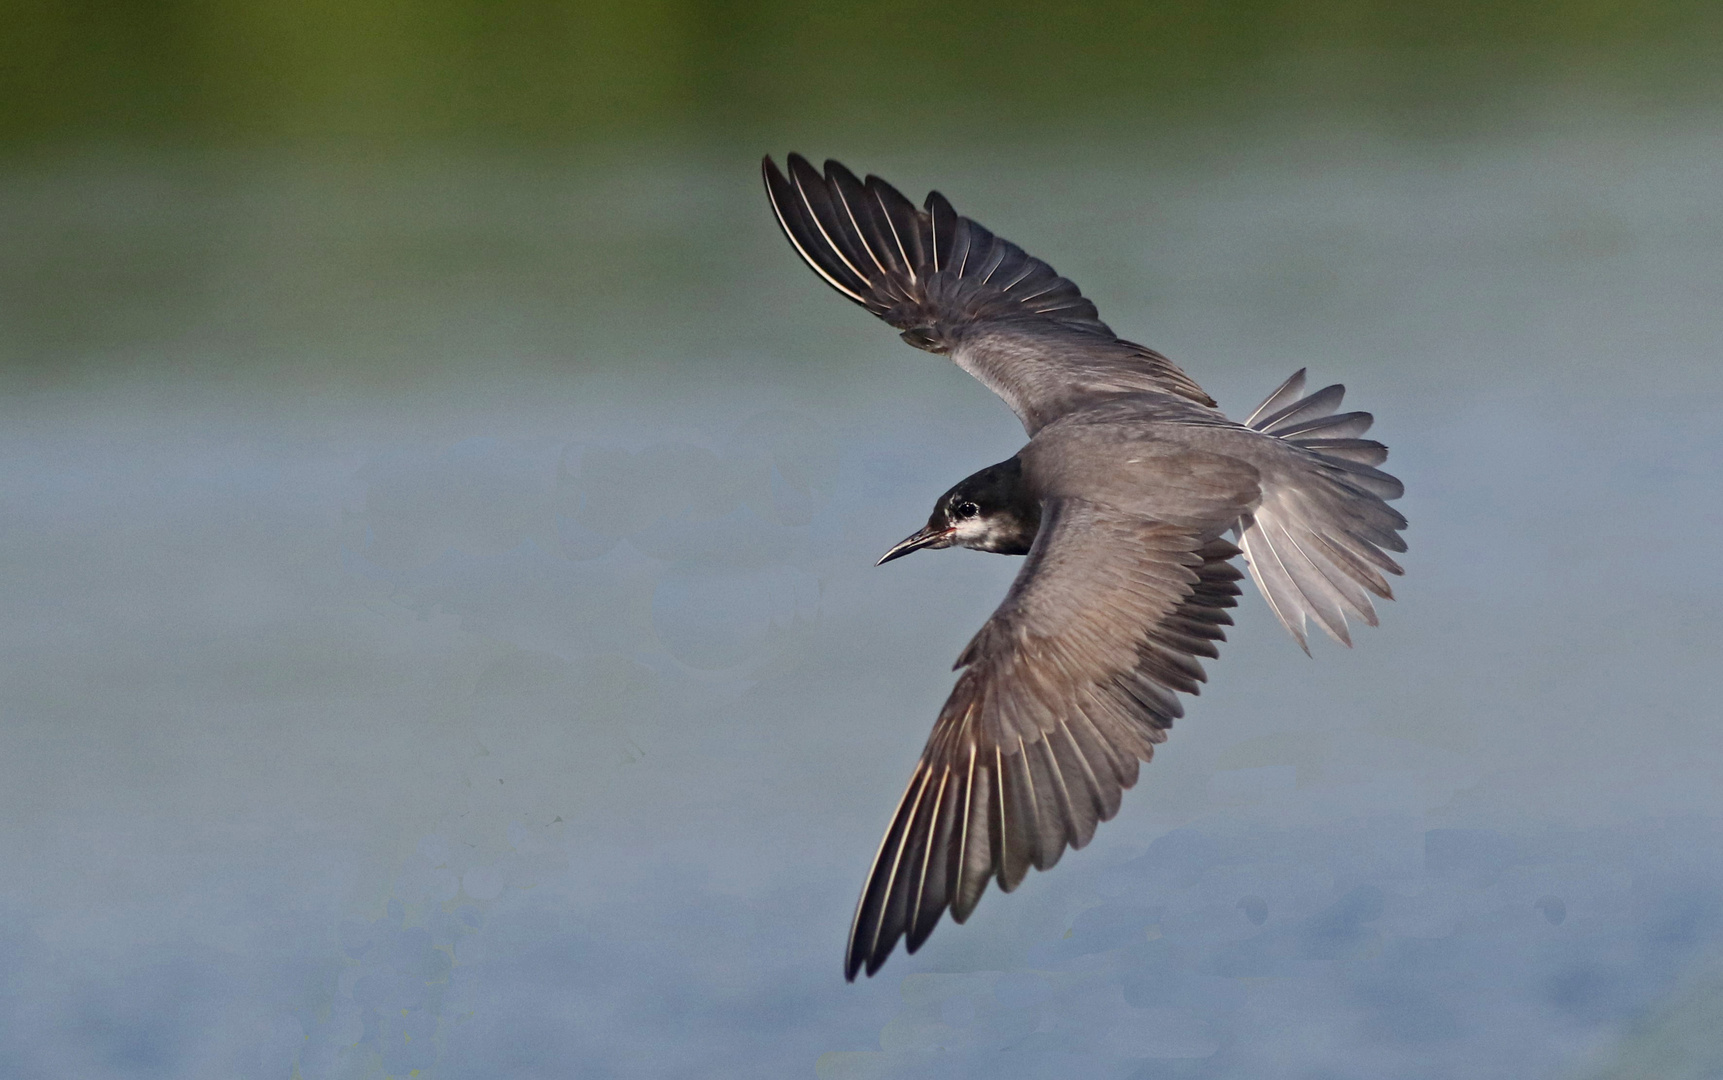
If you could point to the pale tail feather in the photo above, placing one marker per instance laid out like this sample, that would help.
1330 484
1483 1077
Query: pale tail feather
1318 546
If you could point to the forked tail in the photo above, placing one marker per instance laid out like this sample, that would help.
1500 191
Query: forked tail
1317 545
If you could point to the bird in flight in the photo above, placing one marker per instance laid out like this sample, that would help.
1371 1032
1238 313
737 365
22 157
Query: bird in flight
1122 501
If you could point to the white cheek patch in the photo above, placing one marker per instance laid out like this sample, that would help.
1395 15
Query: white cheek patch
974 531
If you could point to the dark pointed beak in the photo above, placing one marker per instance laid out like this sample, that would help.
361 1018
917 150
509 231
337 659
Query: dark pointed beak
932 536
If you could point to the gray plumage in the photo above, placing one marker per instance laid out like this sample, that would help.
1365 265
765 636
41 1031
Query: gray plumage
1129 486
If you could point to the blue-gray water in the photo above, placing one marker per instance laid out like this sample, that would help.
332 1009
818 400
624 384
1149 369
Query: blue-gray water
441 635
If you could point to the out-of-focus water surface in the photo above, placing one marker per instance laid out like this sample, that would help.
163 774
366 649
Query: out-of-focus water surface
439 634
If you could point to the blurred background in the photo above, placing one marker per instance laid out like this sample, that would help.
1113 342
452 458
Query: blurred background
437 514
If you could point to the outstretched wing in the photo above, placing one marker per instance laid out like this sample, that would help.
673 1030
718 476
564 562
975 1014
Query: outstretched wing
922 271
951 286
1067 686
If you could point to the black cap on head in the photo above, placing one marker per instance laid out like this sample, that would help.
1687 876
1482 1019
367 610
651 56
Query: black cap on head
988 511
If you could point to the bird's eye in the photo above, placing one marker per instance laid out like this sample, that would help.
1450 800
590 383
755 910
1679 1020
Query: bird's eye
967 510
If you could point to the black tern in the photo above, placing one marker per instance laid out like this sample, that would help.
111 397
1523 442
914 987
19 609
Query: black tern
1122 500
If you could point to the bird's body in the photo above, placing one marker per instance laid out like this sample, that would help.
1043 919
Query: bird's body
1121 500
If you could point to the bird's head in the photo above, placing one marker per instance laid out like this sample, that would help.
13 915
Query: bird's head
990 511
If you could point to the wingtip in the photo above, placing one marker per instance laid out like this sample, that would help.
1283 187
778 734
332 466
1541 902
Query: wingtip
776 184
835 168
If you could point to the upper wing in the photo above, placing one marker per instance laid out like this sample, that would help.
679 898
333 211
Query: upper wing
922 271
1065 688
953 287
